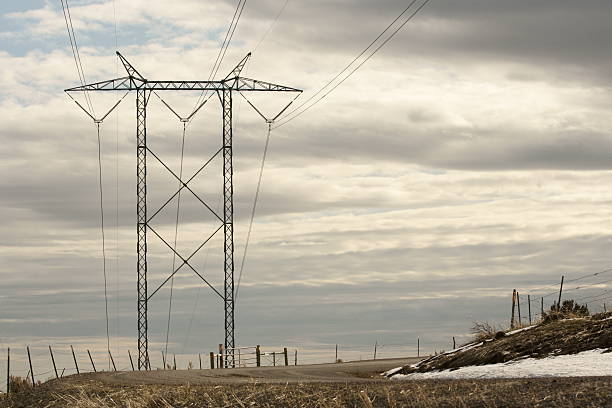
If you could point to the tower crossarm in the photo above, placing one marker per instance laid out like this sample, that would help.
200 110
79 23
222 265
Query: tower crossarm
241 84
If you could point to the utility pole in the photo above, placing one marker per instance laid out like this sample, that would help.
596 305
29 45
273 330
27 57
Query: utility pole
224 89
560 291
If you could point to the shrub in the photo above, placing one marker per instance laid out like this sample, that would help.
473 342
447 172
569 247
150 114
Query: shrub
20 384
569 309
484 330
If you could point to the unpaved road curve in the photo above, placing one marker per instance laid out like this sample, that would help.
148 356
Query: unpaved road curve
357 371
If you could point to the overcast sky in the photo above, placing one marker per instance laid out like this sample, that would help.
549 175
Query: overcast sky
469 157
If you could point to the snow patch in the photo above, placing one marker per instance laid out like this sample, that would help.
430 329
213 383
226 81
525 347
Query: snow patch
588 363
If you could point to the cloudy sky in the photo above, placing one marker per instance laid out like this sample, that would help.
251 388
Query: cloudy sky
469 157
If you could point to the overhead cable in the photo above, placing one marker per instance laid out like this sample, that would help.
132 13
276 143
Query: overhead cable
224 46
309 103
75 51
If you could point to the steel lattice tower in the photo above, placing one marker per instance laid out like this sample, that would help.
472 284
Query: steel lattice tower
224 90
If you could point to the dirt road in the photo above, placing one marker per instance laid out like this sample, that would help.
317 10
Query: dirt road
358 371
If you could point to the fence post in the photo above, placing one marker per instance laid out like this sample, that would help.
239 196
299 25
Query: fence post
212 360
258 355
53 361
295 356
605 311
75 360
560 291
454 343
518 306
221 356
163 359
529 307
336 360
239 357
8 370
174 357
375 348
286 357
112 360
513 303
542 308
31 370
274 358
200 358
92 363
418 347
131 361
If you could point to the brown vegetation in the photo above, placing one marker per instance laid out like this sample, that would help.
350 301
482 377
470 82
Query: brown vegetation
566 392
552 337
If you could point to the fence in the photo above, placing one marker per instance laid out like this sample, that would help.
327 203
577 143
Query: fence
534 304
40 363
250 357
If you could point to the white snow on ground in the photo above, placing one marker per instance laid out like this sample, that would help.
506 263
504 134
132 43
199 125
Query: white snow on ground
510 333
588 363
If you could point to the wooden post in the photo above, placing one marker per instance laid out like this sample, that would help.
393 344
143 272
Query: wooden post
375 347
8 370
53 361
336 360
163 359
221 356
605 310
295 357
239 357
75 360
518 305
529 306
200 358
418 347
542 308
31 370
174 356
286 357
212 360
131 361
112 360
454 343
560 291
92 363
274 358
258 355
513 303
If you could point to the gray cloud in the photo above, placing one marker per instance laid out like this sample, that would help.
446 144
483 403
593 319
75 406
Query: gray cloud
468 158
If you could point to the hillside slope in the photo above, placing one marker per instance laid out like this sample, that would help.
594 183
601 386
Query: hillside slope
554 338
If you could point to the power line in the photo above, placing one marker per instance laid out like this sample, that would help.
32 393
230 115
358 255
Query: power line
75 50
103 236
226 42
271 25
116 183
178 212
301 109
246 246
589 275
270 122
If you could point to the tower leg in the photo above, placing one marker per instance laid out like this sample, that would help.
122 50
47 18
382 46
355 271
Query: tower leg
228 224
141 210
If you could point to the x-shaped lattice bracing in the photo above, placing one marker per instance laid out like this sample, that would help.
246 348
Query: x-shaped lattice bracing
185 261
184 185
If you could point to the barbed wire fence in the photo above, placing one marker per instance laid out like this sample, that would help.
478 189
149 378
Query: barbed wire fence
593 290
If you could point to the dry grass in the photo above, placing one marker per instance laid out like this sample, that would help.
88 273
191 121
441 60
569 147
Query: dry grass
567 392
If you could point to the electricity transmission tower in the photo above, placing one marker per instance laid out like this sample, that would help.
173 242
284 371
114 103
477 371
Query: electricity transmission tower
223 89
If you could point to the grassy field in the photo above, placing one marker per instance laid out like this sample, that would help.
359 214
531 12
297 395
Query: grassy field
546 392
